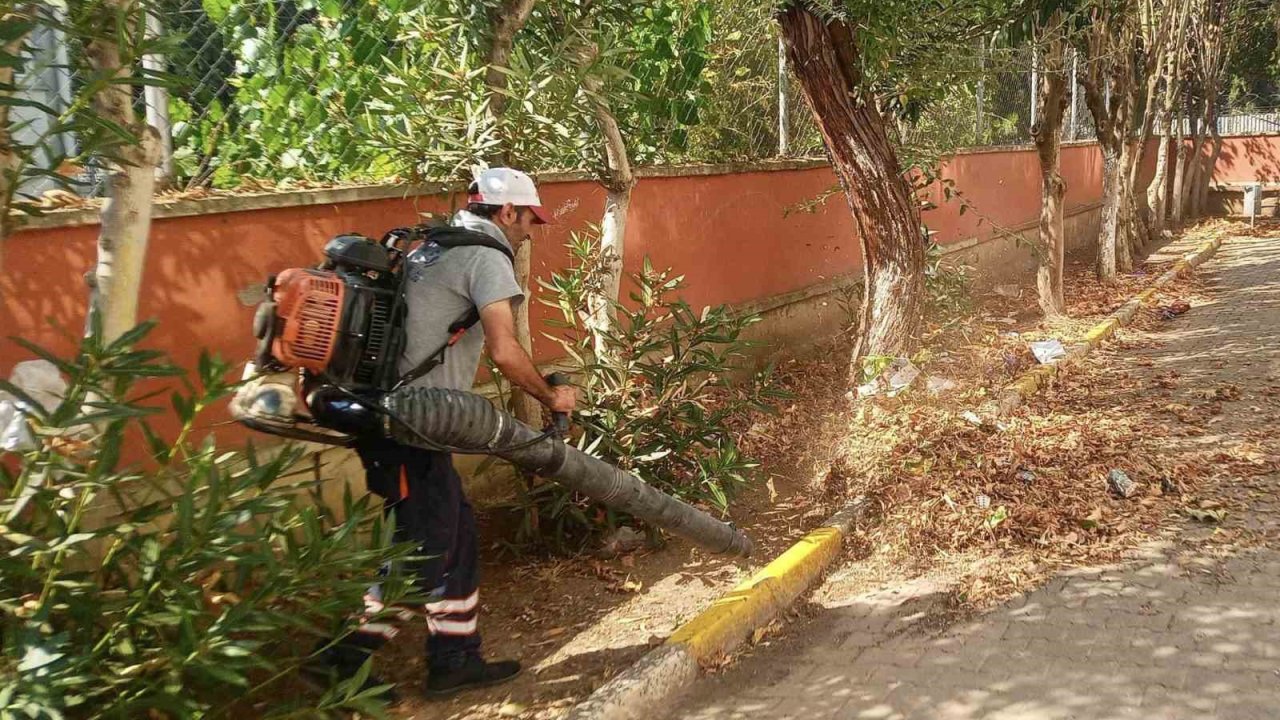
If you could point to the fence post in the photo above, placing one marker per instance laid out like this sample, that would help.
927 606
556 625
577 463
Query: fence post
1035 82
1075 95
784 127
157 102
982 93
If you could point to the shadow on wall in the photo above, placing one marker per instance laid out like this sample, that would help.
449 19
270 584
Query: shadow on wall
1245 159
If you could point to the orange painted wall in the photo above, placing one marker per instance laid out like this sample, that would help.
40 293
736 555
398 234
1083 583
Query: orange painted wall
1255 158
731 235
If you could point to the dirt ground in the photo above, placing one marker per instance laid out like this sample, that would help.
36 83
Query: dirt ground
574 622
1188 404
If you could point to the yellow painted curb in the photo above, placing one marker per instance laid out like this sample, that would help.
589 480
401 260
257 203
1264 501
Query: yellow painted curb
665 672
1032 381
733 616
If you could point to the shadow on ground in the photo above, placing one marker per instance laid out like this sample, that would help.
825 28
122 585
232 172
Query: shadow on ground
1186 629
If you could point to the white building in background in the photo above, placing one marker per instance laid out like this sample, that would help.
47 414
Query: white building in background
45 79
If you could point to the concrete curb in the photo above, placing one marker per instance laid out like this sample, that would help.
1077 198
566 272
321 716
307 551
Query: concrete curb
667 671
1031 382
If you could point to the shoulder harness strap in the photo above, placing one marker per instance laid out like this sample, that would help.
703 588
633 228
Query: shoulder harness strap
448 236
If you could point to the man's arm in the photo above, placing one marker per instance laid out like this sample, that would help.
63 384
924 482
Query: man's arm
514 363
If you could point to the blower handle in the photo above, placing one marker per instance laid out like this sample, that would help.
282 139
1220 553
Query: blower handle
559 420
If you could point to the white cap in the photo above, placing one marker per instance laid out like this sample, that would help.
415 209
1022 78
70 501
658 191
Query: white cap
499 186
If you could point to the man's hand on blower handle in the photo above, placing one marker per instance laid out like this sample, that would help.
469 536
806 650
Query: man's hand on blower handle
515 364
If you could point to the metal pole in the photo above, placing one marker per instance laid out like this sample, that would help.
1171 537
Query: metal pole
1075 96
784 127
982 93
1035 82
157 101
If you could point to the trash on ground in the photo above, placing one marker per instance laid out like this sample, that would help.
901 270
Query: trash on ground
893 379
983 501
42 383
1206 516
1048 352
937 385
902 372
1172 310
620 542
1026 476
1120 483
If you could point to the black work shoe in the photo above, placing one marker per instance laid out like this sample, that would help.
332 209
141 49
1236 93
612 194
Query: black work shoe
473 673
339 663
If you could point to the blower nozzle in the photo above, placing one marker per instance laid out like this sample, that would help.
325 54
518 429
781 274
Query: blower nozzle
464 420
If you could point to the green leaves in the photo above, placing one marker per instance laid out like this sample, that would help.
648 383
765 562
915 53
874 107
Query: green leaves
186 585
656 390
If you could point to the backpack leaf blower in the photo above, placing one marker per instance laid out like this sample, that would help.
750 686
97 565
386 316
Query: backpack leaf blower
327 370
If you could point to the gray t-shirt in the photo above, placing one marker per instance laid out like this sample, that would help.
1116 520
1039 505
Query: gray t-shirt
443 284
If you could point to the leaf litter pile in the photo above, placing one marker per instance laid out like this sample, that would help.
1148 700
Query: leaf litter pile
1087 469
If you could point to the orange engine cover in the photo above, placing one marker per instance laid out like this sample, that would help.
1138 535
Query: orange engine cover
309 304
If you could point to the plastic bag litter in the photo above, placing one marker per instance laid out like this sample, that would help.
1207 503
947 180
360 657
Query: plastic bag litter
40 380
896 377
937 385
1048 352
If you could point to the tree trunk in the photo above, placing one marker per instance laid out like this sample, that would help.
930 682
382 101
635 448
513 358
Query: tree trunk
1141 204
509 20
1109 229
824 58
1051 99
1177 200
1158 190
524 406
1196 168
1211 164
1110 92
1171 71
10 157
618 180
115 282
1209 161
1132 230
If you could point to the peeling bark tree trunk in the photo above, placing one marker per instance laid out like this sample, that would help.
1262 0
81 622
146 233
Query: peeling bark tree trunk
1206 178
1177 197
1158 190
115 282
618 181
1109 227
1195 167
824 58
10 159
507 23
1171 73
1110 48
1047 133
1130 228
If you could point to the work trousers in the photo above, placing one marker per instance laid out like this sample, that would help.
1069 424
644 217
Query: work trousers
423 492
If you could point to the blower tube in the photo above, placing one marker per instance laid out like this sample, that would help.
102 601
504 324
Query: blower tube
454 418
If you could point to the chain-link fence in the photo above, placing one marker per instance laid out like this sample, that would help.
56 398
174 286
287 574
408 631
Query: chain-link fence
328 91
